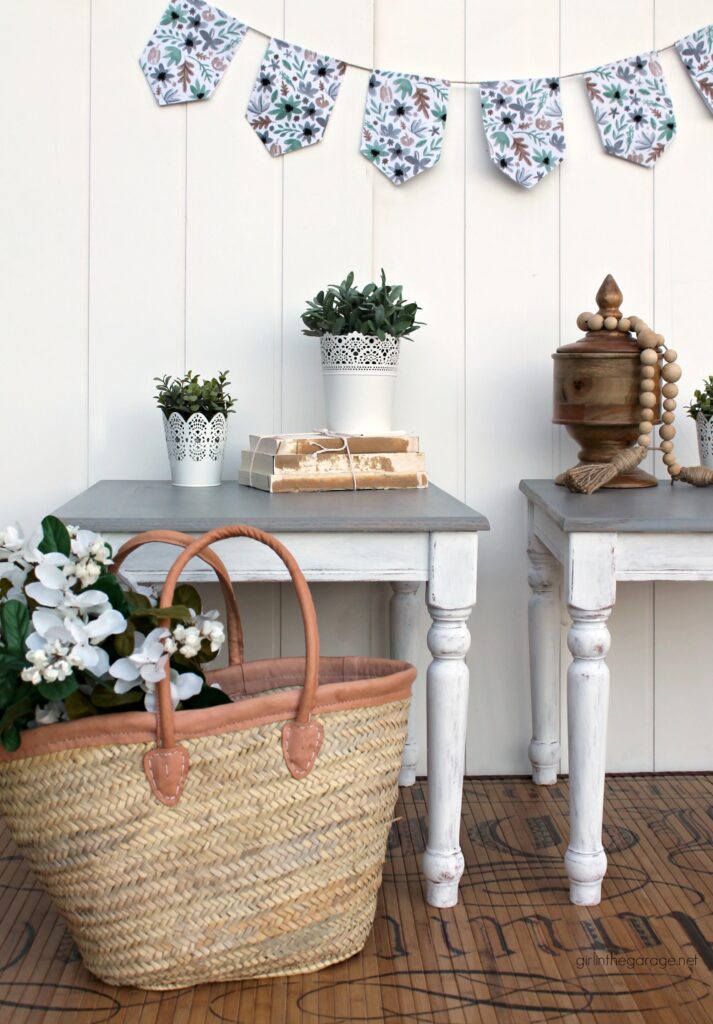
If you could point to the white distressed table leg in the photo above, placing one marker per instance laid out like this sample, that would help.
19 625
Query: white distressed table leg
591 594
403 629
450 596
544 629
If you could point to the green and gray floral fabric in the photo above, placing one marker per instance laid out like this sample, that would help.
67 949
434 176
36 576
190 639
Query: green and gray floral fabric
293 97
632 108
189 51
696 52
522 119
404 122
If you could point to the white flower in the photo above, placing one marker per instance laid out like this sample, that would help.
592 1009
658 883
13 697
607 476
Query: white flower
87 572
59 644
187 640
147 664
53 711
11 538
89 546
188 684
53 589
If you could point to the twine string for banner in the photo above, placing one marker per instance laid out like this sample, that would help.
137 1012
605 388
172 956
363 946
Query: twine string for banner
476 81
321 450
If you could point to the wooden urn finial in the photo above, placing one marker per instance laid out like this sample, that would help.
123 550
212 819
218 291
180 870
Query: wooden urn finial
609 298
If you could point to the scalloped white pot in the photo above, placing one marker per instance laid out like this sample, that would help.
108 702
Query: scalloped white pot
196 447
704 429
359 374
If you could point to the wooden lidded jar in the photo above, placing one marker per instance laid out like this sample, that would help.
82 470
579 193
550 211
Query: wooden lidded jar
596 387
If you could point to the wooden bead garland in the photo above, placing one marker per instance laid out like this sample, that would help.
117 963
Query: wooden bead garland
653 353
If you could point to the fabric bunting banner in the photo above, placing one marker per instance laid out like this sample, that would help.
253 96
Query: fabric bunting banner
632 108
404 122
696 52
189 51
293 97
522 120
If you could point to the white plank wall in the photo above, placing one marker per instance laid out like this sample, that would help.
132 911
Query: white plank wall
138 241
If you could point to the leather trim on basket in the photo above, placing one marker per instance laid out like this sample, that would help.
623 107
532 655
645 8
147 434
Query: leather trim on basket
378 681
166 769
301 742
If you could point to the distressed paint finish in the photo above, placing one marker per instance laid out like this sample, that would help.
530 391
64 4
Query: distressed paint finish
544 579
403 634
450 596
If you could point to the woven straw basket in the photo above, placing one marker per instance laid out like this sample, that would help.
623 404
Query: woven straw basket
235 841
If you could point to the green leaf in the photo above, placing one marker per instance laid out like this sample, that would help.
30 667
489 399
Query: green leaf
124 642
10 738
78 705
176 613
5 588
59 689
136 601
208 697
107 699
16 710
55 537
15 620
108 584
187 595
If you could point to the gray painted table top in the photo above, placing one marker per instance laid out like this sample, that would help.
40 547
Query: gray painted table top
131 506
662 509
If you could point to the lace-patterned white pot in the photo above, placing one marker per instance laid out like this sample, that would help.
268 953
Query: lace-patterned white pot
196 447
704 429
359 374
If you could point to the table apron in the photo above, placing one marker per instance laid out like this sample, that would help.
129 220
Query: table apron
323 557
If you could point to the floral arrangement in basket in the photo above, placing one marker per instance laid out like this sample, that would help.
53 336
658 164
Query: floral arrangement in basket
78 640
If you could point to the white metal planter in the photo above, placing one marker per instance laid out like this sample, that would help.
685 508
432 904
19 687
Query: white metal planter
704 429
359 373
196 447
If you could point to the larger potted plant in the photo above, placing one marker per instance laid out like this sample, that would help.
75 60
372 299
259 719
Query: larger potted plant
701 410
195 420
360 330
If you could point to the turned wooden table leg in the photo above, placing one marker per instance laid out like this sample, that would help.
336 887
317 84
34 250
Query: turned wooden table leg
403 628
591 586
544 627
450 596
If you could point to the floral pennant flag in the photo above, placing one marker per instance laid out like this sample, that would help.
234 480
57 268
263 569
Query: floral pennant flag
293 97
523 125
189 51
632 108
696 52
404 122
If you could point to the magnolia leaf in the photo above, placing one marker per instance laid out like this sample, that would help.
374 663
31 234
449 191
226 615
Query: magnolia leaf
16 710
176 613
78 705
108 584
15 621
5 588
55 537
208 697
108 699
187 595
136 601
58 690
10 738
124 642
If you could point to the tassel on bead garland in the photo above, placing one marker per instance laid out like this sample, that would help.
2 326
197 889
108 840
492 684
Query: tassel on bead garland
699 476
587 479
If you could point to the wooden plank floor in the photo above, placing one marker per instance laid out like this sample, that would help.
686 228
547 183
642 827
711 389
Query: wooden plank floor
513 951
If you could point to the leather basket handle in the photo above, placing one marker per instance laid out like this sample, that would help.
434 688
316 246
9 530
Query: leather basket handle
236 645
166 765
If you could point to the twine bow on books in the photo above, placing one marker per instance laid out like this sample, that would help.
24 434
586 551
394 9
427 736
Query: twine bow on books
320 449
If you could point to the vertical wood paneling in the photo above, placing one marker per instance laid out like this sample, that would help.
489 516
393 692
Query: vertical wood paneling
606 219
327 224
684 226
137 251
234 276
44 179
511 329
138 241
418 240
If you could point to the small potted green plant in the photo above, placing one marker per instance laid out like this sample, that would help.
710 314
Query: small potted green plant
195 419
701 410
360 330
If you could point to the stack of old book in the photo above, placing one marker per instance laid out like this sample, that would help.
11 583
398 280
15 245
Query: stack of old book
330 462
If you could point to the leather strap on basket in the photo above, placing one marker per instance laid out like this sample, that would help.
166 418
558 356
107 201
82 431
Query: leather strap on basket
236 645
166 766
